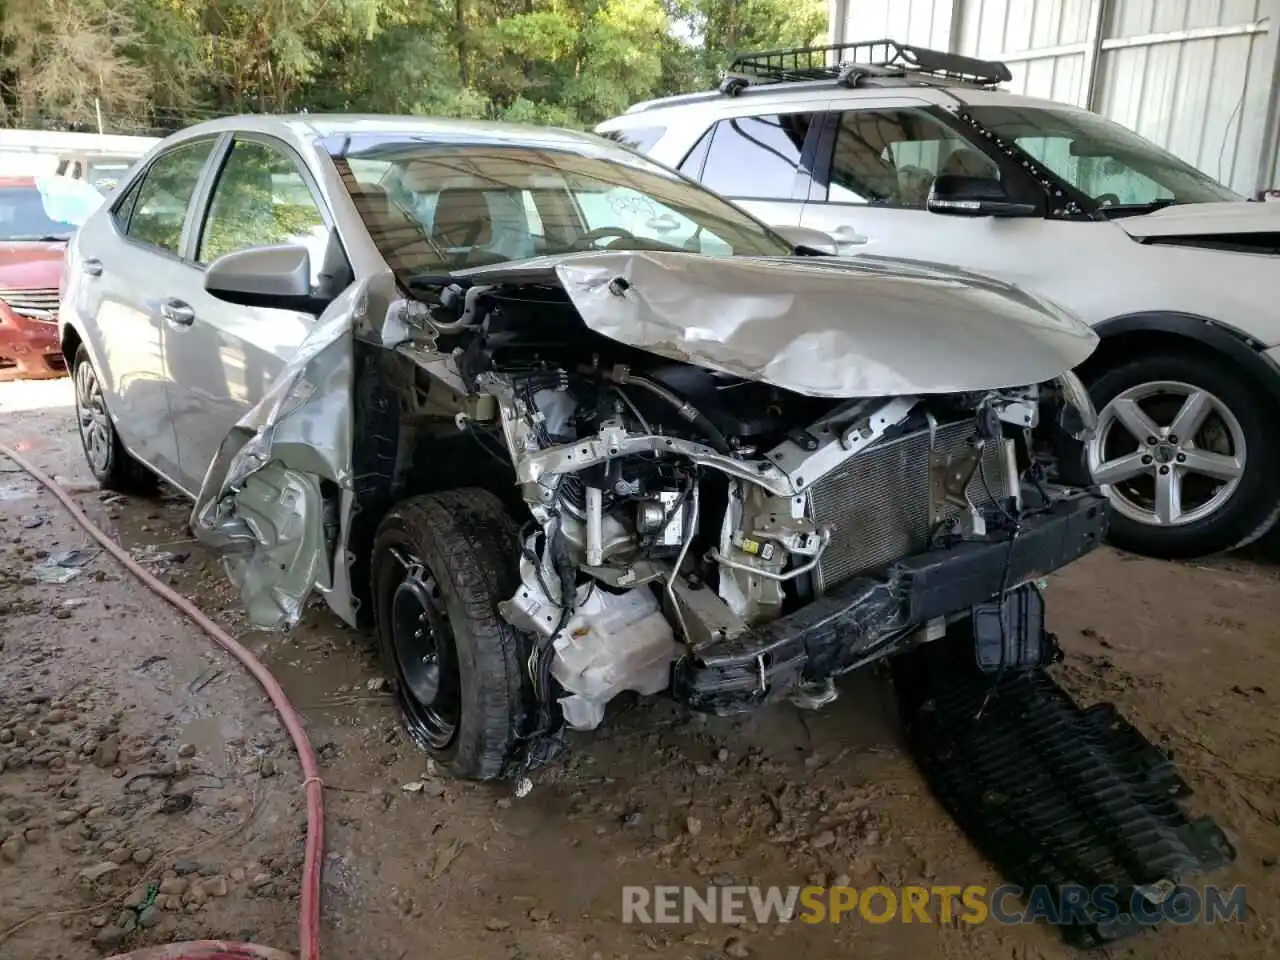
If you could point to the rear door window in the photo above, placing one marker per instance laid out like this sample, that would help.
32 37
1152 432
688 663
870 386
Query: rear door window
756 157
160 204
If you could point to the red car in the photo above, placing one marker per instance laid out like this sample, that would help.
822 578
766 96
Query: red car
32 243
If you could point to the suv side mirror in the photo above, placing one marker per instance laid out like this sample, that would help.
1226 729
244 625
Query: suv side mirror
962 196
807 240
277 277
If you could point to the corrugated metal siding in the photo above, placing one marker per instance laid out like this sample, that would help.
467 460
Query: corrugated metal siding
989 28
1135 18
1207 99
926 23
1203 99
994 28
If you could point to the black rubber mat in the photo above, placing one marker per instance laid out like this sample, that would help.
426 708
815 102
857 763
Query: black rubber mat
1055 796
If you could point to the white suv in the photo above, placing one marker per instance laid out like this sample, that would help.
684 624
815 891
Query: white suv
898 151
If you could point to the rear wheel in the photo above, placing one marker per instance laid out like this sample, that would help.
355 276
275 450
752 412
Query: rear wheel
1185 452
441 564
109 462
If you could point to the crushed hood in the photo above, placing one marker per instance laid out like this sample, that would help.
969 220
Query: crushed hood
1204 219
819 326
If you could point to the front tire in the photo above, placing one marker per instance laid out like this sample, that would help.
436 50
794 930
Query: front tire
1186 453
108 460
440 565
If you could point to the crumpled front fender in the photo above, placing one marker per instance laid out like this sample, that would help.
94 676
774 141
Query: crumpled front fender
277 500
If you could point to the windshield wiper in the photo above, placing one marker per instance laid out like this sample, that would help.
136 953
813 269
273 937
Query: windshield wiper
1133 209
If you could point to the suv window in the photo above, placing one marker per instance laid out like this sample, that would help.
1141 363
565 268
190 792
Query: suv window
1108 163
691 166
261 200
754 157
160 203
890 157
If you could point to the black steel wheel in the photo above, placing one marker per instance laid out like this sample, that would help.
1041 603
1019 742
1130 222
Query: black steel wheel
440 565
426 659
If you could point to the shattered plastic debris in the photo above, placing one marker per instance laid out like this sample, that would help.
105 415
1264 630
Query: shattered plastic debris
413 786
54 574
158 558
13 492
32 521
63 567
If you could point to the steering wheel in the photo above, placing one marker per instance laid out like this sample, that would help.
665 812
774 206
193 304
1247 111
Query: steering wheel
601 233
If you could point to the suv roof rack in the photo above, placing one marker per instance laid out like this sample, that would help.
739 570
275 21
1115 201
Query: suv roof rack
849 63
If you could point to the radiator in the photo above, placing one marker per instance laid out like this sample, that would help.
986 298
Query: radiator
878 505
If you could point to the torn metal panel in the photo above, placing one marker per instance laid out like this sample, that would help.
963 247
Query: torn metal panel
263 502
824 327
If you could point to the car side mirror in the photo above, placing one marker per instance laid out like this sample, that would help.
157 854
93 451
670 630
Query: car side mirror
807 240
961 196
277 277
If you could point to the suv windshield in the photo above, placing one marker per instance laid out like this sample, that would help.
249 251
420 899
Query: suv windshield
436 207
1106 162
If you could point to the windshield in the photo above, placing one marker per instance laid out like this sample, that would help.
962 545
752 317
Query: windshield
1106 162
23 216
437 207
48 208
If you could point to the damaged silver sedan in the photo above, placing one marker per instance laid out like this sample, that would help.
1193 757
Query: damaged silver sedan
561 424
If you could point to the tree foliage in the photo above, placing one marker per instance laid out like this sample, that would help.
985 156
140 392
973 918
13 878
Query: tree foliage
157 65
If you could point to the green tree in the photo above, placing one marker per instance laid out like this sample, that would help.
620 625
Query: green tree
166 63
65 60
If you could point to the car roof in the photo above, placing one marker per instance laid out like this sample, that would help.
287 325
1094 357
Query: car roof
322 125
767 96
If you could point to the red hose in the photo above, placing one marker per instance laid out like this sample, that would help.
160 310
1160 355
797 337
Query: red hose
309 918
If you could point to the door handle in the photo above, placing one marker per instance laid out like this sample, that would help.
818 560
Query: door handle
92 266
177 312
846 234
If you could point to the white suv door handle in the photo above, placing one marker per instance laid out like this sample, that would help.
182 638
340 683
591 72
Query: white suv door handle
846 234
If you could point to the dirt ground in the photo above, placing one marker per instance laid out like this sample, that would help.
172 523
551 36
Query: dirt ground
132 754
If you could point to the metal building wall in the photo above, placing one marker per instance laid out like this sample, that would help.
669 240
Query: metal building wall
1196 76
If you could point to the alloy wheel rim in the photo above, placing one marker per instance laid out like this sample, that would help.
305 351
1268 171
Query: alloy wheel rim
1167 453
426 659
91 415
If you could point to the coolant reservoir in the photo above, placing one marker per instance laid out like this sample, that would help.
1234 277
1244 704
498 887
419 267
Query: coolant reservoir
614 642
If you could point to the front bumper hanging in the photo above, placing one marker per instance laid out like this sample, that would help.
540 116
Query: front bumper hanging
871 617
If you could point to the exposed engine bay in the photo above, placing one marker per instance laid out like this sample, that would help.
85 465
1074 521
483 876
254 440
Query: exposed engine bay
724 537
